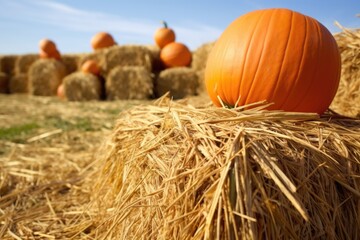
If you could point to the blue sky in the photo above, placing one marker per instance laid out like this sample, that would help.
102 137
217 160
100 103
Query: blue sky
72 23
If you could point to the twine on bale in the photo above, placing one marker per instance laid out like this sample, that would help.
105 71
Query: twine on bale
173 171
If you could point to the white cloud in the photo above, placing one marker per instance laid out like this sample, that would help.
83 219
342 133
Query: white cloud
53 13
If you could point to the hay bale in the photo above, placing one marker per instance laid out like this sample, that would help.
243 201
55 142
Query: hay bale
80 86
129 82
156 62
45 75
71 62
172 171
179 81
24 62
127 56
347 99
200 56
7 64
19 83
4 83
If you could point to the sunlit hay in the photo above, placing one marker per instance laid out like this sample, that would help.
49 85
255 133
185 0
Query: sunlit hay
156 62
179 81
129 82
4 83
7 64
200 56
172 171
19 83
24 62
129 55
81 86
45 75
71 62
347 99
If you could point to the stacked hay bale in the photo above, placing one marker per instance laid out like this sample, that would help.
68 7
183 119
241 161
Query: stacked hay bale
71 62
200 56
45 75
4 82
128 72
7 68
80 86
179 82
129 82
347 99
19 82
172 171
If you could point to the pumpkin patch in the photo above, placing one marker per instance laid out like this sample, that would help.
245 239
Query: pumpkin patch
277 55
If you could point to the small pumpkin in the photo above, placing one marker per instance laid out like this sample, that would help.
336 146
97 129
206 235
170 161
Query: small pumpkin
175 54
164 36
60 91
47 46
102 40
55 55
90 66
278 55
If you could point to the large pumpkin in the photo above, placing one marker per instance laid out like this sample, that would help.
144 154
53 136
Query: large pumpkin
278 55
102 40
164 36
175 54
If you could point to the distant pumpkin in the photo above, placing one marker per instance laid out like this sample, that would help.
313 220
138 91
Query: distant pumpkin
60 91
47 46
278 55
90 66
175 55
55 55
164 36
102 40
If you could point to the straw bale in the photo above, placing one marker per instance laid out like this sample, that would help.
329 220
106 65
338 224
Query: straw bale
7 64
4 82
80 86
24 62
130 55
173 171
71 62
347 99
129 82
156 62
200 56
45 75
19 83
179 81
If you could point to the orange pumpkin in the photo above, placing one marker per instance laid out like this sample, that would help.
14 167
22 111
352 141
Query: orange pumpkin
175 55
47 46
60 91
102 40
164 36
55 55
278 55
90 66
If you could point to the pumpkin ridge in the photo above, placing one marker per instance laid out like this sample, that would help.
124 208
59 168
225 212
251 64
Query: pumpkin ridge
283 59
239 87
258 63
294 85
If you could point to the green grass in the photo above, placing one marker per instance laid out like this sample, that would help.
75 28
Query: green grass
18 133
82 124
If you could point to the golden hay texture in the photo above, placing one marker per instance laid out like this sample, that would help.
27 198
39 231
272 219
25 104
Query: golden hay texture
45 75
24 62
4 83
129 55
179 81
80 86
19 83
172 171
347 99
200 56
7 64
129 82
71 62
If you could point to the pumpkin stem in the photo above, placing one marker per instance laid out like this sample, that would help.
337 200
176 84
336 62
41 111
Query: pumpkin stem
164 23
